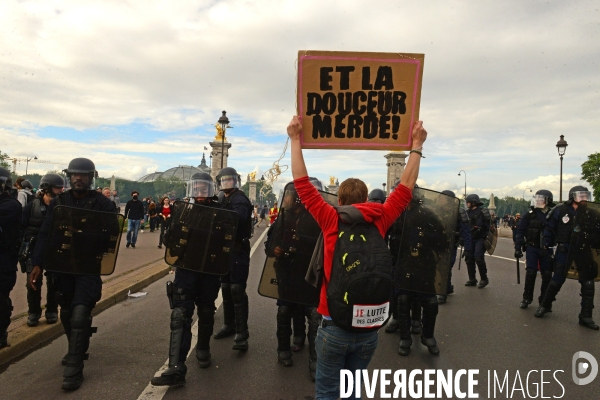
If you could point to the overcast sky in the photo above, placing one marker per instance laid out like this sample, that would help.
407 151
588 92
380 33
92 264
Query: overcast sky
137 86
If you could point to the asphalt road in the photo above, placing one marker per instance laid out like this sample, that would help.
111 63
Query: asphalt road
481 329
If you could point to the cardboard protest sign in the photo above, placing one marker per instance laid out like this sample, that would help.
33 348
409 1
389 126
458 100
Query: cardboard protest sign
351 100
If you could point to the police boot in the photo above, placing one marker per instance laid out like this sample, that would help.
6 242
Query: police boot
404 304
228 328
51 303
34 299
240 303
81 330
314 320
482 273
549 297
206 321
65 319
3 339
284 332
174 375
587 305
299 322
416 326
528 290
441 299
546 277
393 324
430 311
471 271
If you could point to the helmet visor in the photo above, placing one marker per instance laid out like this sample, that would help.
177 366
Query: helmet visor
68 185
229 182
581 196
200 188
540 201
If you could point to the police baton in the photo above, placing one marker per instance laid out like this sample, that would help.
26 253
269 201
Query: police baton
518 273
460 259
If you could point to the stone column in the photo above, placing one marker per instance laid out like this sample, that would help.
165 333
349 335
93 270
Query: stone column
217 149
396 161
252 191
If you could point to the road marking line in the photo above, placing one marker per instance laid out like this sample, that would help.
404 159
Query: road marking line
503 258
158 392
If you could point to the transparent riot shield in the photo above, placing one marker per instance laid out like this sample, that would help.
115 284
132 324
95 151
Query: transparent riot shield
427 238
491 239
201 238
290 244
584 249
83 241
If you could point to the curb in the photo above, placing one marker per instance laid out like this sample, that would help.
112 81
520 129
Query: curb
25 339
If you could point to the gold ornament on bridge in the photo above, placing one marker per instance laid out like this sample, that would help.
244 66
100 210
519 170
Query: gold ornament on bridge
332 180
252 176
220 133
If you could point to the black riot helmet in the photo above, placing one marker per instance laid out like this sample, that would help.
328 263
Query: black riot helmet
26 185
228 179
449 193
50 181
81 166
316 183
377 196
5 180
200 185
543 198
579 193
474 200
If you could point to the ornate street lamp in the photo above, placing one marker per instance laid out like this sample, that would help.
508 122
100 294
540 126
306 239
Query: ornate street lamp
561 145
224 122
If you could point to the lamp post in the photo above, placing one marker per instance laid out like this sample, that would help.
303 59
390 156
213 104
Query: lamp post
27 164
224 122
523 197
262 184
462 170
561 146
384 184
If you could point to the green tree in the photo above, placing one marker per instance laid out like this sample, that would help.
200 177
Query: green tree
590 172
3 162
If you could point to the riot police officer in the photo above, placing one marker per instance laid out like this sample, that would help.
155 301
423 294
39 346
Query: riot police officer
10 214
462 234
479 221
558 230
528 236
33 215
188 290
77 293
376 196
233 285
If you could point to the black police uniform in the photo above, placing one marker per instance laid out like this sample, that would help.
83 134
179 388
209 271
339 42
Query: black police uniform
233 284
190 289
10 215
479 220
31 222
77 294
529 235
561 222
462 234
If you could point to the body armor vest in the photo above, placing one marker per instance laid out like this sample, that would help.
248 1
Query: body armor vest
535 228
88 203
36 217
566 220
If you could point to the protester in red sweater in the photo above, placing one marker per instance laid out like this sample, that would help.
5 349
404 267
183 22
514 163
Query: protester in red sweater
336 348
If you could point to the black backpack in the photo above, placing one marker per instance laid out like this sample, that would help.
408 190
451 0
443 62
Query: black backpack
360 286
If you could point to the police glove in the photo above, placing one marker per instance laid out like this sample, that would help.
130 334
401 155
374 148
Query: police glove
518 253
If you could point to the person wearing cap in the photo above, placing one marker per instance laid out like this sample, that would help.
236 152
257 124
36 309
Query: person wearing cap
134 213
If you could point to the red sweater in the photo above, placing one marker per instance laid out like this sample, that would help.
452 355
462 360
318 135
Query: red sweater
381 215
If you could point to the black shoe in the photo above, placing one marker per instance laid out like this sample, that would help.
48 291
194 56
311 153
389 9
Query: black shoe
392 326
588 323
159 246
64 359
483 283
431 345
539 313
451 290
225 331
203 357
51 317
298 343
4 340
33 319
404 347
416 327
132 246
129 244
171 379
285 358
471 282
240 341
525 303
73 382
441 299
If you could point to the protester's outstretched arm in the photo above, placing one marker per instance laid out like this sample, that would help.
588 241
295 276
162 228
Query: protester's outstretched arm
411 171
294 131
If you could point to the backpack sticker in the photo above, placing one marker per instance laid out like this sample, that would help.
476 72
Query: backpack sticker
370 316
565 219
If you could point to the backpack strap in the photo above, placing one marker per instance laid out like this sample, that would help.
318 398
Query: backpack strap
349 214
